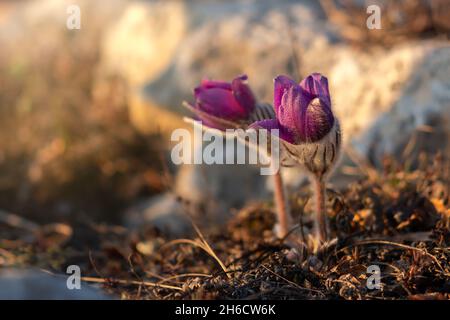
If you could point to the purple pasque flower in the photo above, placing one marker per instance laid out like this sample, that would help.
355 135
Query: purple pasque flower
308 129
309 134
223 105
303 111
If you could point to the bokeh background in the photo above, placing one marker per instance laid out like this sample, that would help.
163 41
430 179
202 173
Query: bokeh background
86 115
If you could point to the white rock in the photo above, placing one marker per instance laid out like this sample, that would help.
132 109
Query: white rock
30 284
384 96
421 113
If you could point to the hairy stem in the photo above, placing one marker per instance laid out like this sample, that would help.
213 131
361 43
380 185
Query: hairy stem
320 214
284 217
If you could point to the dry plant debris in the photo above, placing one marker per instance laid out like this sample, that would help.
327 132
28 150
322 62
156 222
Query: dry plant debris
397 219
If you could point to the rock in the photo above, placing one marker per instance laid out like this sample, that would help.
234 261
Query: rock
419 120
150 118
207 193
144 40
293 179
29 284
220 187
384 96
164 212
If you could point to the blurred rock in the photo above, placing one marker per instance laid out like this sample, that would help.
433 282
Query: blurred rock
207 193
29 284
293 179
164 212
141 44
220 188
386 96
217 188
419 121
149 118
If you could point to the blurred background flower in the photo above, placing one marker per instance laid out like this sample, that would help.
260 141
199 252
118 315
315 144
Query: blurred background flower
218 102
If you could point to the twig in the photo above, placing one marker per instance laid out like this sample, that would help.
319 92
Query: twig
128 282
119 281
185 275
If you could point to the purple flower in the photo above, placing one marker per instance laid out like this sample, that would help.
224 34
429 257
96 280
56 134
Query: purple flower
223 105
303 111
310 134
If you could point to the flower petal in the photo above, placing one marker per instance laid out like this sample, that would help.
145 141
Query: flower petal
220 103
319 120
281 84
208 84
272 124
267 124
316 85
292 112
243 94
212 121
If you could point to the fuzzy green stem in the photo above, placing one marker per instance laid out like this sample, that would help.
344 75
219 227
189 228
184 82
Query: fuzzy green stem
284 217
321 229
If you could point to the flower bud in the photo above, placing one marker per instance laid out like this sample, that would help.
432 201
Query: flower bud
223 105
309 131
